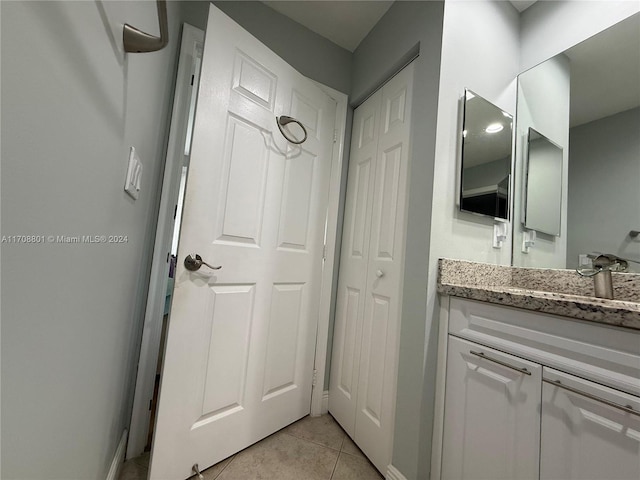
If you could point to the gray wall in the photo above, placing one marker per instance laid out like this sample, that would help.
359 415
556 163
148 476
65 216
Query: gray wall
394 39
480 51
306 51
604 187
72 105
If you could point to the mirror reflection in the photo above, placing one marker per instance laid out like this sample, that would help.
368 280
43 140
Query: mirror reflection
586 101
486 158
543 190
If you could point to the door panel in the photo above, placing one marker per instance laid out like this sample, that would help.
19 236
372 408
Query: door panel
244 182
350 300
240 345
374 373
254 81
382 312
295 212
284 329
229 309
391 163
586 439
492 419
361 200
364 363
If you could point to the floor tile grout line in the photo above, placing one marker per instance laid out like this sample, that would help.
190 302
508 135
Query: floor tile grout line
315 443
335 466
355 455
227 465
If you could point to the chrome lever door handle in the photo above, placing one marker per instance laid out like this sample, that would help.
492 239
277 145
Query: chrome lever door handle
193 262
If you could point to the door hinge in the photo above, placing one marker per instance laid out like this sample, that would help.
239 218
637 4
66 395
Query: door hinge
314 379
324 252
150 404
192 79
335 136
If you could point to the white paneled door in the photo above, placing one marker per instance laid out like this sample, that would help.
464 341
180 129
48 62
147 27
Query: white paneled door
241 339
365 349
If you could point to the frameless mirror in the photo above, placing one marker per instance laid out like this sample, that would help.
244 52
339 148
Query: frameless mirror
543 191
486 158
585 100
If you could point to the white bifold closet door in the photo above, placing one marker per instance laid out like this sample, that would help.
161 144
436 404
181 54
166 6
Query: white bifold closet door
362 390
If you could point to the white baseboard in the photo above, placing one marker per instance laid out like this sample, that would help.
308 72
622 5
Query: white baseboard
325 402
118 458
394 474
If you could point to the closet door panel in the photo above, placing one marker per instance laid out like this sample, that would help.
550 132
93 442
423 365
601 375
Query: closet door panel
381 321
350 302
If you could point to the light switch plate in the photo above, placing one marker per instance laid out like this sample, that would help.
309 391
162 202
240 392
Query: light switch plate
134 175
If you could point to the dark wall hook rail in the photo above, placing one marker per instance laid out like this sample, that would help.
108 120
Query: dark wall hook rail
137 41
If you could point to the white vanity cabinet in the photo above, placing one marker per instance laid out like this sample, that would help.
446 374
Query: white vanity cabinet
588 432
492 414
525 395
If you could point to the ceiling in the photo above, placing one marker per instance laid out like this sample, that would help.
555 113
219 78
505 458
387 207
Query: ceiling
345 23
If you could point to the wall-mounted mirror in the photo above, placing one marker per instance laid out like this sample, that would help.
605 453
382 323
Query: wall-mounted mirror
586 101
486 157
543 185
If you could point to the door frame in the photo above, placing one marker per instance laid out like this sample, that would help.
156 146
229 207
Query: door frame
320 397
150 345
192 37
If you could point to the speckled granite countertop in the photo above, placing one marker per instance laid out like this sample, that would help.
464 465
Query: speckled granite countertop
558 292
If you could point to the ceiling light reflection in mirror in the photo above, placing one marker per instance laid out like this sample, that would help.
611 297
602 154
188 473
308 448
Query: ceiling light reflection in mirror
486 158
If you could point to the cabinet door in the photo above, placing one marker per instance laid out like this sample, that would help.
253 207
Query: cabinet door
492 414
583 435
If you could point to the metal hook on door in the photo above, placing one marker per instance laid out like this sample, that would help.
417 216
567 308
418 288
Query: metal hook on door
283 120
137 41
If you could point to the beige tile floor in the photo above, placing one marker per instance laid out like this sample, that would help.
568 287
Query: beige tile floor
314 448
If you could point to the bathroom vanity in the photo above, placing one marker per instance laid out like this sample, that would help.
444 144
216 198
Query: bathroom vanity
536 379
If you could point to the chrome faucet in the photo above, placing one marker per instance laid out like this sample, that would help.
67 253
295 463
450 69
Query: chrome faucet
603 265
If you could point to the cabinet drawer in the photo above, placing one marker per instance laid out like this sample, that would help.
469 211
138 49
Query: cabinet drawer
607 355
588 431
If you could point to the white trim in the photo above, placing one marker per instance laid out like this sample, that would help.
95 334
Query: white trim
325 402
322 336
152 330
394 474
118 458
441 377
